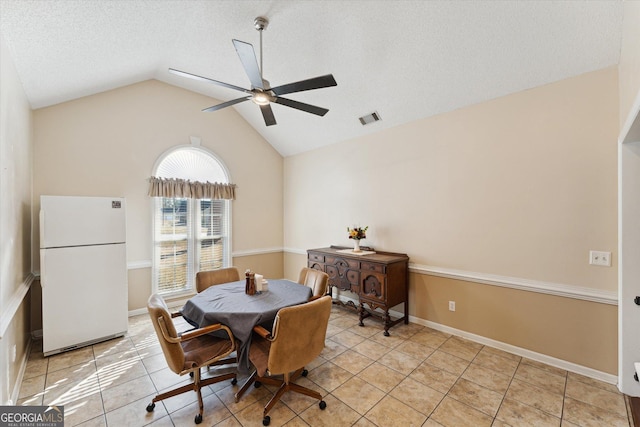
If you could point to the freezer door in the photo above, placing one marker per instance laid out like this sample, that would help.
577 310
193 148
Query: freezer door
76 221
84 294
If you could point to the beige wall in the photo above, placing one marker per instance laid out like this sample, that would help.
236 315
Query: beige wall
107 145
629 68
270 265
16 150
573 330
522 187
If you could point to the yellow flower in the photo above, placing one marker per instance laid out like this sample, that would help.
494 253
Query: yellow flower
358 233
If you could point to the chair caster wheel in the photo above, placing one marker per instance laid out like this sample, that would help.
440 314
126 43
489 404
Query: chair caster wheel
198 419
322 404
234 381
305 373
266 420
150 407
257 384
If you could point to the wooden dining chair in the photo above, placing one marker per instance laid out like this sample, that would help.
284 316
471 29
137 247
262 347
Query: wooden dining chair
186 353
297 339
204 279
316 280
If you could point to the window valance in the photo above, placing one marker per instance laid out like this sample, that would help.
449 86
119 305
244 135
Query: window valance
175 187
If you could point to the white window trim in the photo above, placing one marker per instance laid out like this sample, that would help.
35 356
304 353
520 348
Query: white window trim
229 211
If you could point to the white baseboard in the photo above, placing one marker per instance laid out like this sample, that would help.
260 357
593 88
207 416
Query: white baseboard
523 352
519 351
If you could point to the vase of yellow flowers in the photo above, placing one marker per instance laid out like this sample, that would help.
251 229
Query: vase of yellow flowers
357 234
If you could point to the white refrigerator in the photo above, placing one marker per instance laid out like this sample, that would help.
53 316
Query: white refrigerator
83 271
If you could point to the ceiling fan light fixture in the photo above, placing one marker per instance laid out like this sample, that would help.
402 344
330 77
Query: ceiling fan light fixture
261 98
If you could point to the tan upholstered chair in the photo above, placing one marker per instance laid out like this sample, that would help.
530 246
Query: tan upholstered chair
316 280
297 339
187 352
204 279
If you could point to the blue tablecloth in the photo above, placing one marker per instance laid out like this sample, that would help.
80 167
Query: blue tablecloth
229 305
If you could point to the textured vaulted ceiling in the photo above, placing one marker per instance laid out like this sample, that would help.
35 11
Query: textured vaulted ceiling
404 59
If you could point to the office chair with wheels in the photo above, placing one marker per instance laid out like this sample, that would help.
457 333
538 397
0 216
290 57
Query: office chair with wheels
297 339
186 353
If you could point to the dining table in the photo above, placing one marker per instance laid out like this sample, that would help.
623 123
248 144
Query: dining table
228 304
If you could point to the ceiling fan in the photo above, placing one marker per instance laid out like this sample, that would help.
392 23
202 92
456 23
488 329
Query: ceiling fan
261 93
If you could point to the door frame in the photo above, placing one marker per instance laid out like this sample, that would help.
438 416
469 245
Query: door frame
629 251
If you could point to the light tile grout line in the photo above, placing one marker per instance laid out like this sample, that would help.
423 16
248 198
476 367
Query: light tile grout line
408 337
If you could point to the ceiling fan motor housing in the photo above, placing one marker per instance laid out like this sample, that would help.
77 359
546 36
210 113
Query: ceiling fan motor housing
261 23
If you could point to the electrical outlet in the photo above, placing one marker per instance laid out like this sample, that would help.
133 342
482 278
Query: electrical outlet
14 353
600 258
452 306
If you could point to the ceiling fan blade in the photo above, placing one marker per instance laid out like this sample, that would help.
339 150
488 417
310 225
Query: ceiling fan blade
207 80
249 62
267 114
309 84
226 104
319 111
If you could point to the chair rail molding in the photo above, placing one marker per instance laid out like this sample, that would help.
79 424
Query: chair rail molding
549 288
134 265
557 289
297 251
259 251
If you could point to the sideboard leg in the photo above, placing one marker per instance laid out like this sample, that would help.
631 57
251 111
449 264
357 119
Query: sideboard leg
361 312
387 323
406 312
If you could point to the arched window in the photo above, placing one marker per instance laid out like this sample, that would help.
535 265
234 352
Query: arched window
189 234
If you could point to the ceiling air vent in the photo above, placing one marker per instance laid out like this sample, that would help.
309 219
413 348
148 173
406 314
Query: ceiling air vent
370 118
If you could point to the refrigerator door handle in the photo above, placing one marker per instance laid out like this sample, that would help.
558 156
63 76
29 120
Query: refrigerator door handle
41 228
43 254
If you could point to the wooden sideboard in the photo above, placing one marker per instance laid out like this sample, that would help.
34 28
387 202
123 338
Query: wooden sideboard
380 280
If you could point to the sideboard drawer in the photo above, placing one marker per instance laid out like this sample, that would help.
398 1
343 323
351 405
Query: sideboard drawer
342 262
380 268
316 257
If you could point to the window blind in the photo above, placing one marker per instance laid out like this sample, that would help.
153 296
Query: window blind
171 245
191 219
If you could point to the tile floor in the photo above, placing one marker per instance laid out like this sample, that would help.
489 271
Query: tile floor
416 377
